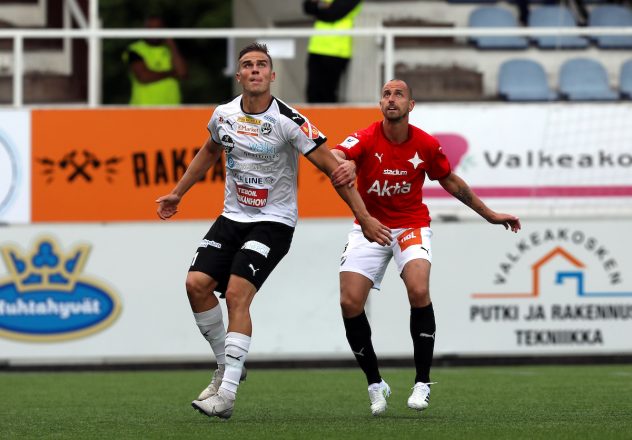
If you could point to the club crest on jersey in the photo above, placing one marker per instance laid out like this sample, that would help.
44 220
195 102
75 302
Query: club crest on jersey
310 130
266 128
386 190
408 238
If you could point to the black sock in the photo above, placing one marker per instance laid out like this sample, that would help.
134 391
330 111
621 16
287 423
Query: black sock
358 332
422 330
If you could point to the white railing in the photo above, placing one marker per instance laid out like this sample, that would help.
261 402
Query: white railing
94 35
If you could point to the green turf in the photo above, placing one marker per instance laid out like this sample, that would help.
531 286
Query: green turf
469 403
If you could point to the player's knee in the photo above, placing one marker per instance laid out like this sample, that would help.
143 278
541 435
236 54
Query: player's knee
419 296
197 287
235 300
350 307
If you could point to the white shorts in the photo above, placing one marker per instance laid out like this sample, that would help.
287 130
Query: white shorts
371 259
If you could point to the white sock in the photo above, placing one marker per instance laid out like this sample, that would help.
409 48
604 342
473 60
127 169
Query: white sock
237 346
211 326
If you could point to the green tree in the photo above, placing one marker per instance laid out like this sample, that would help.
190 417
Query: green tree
206 58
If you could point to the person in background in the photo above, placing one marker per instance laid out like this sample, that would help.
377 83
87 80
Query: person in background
329 55
155 68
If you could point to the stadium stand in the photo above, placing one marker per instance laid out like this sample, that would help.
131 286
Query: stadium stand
493 16
55 70
558 17
611 16
584 79
524 80
625 80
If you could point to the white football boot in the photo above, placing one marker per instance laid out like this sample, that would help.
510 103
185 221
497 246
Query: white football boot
218 405
216 382
420 397
378 392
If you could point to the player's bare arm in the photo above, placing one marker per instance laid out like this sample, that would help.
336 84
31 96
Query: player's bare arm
345 174
203 160
461 190
372 229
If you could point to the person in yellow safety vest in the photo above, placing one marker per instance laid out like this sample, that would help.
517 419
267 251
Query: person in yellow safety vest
155 68
329 55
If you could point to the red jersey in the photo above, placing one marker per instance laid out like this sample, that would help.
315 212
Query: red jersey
390 176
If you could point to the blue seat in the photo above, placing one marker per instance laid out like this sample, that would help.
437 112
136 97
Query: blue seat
611 16
625 80
495 17
524 80
557 17
583 79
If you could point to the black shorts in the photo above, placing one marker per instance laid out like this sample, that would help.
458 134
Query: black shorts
249 250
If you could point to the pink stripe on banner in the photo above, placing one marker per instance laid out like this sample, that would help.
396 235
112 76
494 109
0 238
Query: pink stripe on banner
540 191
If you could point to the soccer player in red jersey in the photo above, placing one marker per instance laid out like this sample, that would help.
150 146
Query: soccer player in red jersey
391 159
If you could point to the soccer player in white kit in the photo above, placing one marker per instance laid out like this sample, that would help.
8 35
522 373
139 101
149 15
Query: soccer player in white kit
261 137
392 159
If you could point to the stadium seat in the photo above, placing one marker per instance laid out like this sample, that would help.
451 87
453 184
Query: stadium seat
625 80
495 17
611 16
583 79
558 17
524 80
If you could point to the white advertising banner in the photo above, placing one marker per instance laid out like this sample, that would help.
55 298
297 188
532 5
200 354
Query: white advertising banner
15 166
115 293
556 288
540 158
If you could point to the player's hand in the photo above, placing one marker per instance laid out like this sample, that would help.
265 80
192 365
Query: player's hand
508 221
167 206
374 231
345 174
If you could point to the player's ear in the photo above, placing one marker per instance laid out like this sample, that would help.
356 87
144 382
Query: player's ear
411 105
272 76
237 76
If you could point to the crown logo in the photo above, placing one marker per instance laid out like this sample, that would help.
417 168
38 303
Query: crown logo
46 268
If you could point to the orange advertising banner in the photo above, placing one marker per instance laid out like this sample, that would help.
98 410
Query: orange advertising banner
112 164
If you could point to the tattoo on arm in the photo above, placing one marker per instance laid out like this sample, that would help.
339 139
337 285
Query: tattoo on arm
464 195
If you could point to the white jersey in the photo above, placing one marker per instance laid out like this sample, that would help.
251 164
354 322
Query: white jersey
262 159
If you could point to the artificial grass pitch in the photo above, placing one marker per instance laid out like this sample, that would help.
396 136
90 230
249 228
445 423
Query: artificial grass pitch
565 402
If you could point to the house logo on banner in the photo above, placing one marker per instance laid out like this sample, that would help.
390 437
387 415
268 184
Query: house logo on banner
47 298
9 172
561 288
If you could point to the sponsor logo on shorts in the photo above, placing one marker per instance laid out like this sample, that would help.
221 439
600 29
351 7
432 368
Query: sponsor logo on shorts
248 130
310 130
384 189
249 120
258 247
349 142
206 243
388 172
256 197
409 238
